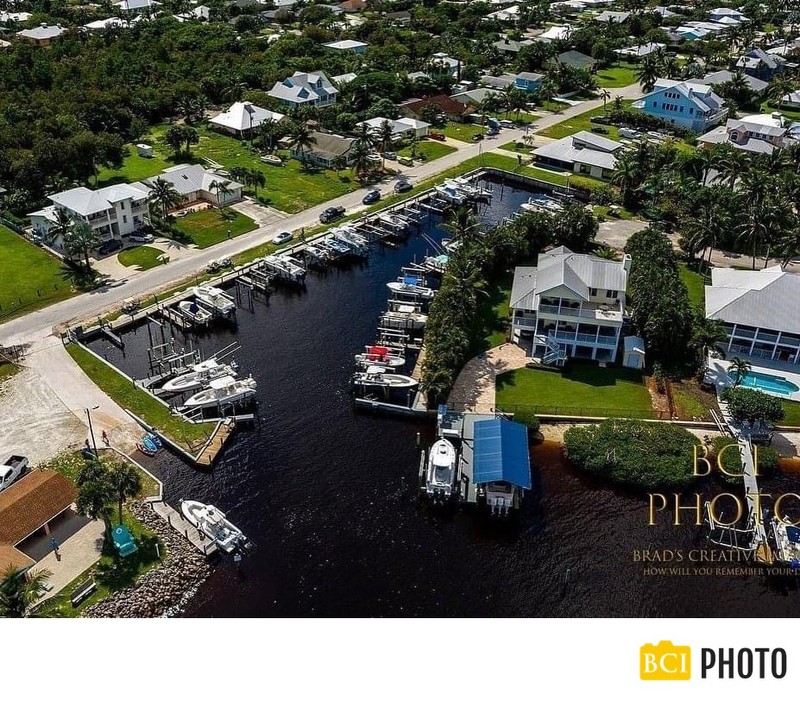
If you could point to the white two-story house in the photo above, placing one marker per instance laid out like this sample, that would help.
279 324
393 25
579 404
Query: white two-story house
569 305
305 88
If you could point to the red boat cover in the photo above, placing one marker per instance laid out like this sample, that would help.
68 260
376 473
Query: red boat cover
377 352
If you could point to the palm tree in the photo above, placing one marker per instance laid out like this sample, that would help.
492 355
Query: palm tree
19 590
126 481
386 137
164 196
268 131
778 89
605 95
702 228
222 189
190 136
365 138
739 367
462 225
302 139
257 180
62 225
626 176
732 164
647 74
95 497
359 158
81 240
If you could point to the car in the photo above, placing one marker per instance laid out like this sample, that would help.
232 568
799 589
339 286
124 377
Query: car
507 124
599 120
405 160
478 137
390 155
371 197
628 133
438 136
403 185
282 237
113 244
375 158
492 132
331 214
142 237
599 130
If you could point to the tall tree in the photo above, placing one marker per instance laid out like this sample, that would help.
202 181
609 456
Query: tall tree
126 482
20 590
80 240
164 196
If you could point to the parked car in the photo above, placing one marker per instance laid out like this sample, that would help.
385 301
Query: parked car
12 469
507 124
405 160
390 155
331 214
375 158
478 137
599 119
142 237
282 237
599 130
628 133
113 244
371 197
438 136
403 185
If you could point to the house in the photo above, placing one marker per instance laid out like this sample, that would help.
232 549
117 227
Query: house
15 16
756 133
688 33
403 128
612 16
757 86
573 58
401 18
441 102
196 184
441 64
507 14
511 47
637 52
528 81
29 510
760 64
569 305
346 78
242 117
582 153
348 45
720 13
499 82
302 88
556 32
684 104
42 35
759 311
664 11
353 5
201 12
475 97
326 150
791 100
137 6
99 25
111 212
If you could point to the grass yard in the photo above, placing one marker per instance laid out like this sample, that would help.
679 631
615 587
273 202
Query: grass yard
583 389
695 285
141 403
521 118
135 168
768 107
431 150
579 123
209 226
493 315
619 75
519 147
7 370
32 278
144 257
792 410
462 132
691 401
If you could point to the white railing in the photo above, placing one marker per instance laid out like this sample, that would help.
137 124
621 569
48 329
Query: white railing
596 313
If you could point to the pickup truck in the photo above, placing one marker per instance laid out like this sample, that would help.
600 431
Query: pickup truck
12 469
331 214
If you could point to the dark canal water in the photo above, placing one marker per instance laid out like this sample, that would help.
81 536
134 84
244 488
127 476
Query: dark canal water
329 496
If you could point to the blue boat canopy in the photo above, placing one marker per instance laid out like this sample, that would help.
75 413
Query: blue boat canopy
500 452
410 280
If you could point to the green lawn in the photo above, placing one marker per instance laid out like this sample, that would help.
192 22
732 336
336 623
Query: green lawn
522 117
519 147
145 257
620 75
768 107
135 167
462 132
141 403
695 285
493 315
691 401
585 389
431 150
209 227
31 277
792 410
578 123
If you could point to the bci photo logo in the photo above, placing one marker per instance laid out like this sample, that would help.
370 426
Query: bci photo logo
667 661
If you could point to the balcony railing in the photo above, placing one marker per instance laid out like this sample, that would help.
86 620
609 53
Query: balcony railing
597 314
582 337
524 322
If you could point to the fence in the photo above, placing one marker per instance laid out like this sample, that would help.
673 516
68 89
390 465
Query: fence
570 411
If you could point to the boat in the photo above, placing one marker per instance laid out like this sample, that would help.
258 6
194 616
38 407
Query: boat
542 202
223 391
376 376
199 375
437 264
380 355
450 194
214 299
441 472
271 159
214 524
286 268
336 248
144 449
316 256
404 316
409 285
787 542
194 312
357 244
466 186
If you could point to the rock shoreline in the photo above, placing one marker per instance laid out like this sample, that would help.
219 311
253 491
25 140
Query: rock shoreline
164 590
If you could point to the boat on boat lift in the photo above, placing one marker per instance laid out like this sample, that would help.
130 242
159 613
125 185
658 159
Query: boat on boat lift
376 376
542 203
315 255
199 375
440 476
410 286
380 355
214 524
467 187
787 541
436 264
403 316
451 194
214 299
194 312
286 268
225 390
336 248
357 246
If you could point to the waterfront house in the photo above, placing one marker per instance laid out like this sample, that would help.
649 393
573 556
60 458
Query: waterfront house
242 117
756 133
305 88
348 46
757 63
30 511
403 128
569 305
688 105
42 35
582 153
637 52
326 150
759 311
196 185
111 212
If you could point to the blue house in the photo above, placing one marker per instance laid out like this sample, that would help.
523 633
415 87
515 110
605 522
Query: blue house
757 63
528 81
685 104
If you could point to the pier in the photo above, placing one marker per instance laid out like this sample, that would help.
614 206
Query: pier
216 442
175 519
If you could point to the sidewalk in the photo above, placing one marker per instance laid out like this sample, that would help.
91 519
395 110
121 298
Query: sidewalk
78 553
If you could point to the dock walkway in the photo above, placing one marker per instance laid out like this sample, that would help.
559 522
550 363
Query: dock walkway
196 538
215 443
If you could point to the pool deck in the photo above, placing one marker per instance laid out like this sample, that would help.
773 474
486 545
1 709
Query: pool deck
718 372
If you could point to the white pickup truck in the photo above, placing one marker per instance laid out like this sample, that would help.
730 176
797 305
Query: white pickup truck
12 469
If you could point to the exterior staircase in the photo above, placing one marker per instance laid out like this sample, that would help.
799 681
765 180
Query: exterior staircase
554 354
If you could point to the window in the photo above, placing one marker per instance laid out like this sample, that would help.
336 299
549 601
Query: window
594 292
124 218
691 110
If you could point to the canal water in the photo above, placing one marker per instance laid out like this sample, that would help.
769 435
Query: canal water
329 495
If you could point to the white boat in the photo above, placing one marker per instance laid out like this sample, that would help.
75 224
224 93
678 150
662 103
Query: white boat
450 194
404 316
223 391
437 264
213 523
409 285
441 473
376 376
541 202
200 374
214 299
787 542
356 244
286 268
469 188
380 355
336 248
194 312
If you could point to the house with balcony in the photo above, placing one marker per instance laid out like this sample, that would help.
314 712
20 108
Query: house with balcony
757 133
197 185
305 88
688 105
759 312
111 212
758 63
569 305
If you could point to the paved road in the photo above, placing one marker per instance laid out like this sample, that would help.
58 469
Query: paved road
35 325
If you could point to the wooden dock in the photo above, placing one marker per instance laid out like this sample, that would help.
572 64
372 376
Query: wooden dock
175 519
215 443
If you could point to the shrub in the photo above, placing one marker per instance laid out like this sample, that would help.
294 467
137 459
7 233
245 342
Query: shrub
767 465
527 417
753 406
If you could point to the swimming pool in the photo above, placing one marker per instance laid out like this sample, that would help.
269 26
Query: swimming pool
774 384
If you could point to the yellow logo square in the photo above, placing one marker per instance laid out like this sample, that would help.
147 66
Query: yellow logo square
665 661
